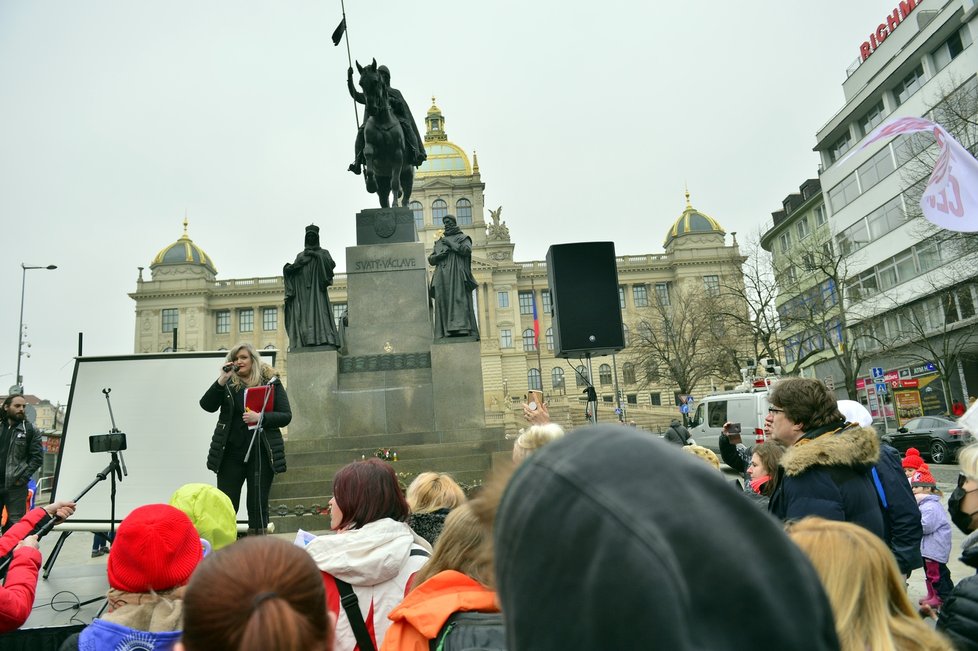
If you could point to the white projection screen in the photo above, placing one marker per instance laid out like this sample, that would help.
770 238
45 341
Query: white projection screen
155 401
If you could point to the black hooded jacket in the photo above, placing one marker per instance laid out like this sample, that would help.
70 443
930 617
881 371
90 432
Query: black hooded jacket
611 539
959 614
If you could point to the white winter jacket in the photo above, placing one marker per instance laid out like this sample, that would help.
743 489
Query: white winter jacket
378 560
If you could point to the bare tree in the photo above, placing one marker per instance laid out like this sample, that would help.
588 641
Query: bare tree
752 308
938 329
683 336
816 320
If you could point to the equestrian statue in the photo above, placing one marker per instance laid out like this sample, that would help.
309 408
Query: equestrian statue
388 145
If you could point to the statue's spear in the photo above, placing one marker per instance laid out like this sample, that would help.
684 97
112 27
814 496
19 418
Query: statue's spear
337 37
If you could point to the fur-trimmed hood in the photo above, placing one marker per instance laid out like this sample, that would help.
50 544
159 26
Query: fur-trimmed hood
850 446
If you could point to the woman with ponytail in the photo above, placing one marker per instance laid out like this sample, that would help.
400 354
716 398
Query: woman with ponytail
259 593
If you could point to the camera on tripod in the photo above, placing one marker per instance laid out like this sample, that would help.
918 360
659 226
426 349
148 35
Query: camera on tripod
112 442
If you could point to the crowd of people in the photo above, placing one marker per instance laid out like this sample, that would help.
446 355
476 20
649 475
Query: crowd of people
599 538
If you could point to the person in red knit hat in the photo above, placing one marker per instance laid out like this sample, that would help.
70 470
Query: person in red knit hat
912 462
155 551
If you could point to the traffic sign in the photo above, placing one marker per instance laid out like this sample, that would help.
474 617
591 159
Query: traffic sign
689 400
881 387
877 372
684 409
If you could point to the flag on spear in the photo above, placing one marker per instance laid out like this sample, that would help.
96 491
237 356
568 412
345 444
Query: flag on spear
338 32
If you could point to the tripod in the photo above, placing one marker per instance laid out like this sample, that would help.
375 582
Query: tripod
114 442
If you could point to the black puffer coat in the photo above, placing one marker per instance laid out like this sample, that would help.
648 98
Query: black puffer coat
231 436
959 615
828 473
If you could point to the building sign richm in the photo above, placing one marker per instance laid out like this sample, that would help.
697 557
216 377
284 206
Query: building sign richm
885 28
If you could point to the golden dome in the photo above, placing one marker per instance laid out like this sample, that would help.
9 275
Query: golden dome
183 251
692 222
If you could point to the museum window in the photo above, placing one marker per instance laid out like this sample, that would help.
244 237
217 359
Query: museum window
640 295
339 311
621 297
550 338
438 211
502 299
624 334
418 210
545 301
628 373
505 338
655 399
557 378
872 119
632 398
529 343
604 374
581 376
246 320
662 293
463 212
909 84
644 332
269 318
223 322
533 379
712 285
170 318
526 302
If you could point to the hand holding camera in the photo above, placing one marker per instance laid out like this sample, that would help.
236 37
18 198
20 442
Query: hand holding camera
733 432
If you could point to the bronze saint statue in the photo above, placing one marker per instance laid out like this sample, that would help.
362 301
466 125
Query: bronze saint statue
388 144
308 314
452 283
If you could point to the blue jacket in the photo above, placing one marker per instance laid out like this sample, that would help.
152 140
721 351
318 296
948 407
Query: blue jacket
901 516
827 473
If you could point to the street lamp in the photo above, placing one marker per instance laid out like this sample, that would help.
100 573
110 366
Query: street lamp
20 329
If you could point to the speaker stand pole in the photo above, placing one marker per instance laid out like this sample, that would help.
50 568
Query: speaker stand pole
592 394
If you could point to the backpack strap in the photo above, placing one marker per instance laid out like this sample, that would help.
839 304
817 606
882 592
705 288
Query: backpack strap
351 605
879 488
420 551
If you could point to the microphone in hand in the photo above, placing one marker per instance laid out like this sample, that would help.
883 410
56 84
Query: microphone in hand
227 368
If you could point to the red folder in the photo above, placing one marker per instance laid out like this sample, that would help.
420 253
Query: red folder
255 398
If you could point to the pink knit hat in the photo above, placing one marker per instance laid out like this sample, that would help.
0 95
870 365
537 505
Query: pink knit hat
156 548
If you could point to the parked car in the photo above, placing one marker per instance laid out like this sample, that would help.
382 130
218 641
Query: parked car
748 408
937 438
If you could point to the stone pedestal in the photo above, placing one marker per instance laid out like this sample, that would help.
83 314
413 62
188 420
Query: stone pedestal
456 372
312 389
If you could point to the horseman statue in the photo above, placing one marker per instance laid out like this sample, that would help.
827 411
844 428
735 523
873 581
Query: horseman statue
388 145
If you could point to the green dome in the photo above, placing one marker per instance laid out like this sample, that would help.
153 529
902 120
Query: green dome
183 251
691 222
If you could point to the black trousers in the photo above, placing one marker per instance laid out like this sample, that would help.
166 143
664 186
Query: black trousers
235 472
15 499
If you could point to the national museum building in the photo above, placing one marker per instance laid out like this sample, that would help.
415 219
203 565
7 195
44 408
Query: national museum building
210 313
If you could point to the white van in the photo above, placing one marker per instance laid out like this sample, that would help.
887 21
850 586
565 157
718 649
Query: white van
749 408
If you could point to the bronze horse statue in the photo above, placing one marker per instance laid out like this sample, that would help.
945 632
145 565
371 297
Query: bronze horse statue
386 168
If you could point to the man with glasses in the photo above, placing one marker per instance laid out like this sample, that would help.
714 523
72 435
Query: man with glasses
827 468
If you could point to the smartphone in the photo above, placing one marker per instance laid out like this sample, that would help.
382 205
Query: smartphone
534 399
733 433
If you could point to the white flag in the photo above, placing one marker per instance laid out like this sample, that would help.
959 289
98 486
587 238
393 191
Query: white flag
950 199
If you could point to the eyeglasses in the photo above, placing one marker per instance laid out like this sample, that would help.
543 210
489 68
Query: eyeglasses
774 410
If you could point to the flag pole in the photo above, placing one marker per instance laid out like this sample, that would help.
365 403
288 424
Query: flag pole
536 331
349 57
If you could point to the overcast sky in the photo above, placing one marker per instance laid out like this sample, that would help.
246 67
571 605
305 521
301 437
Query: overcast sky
588 119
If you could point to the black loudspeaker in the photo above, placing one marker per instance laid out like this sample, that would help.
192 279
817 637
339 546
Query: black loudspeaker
583 281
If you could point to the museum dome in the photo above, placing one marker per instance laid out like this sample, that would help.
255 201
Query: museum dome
445 158
183 252
692 222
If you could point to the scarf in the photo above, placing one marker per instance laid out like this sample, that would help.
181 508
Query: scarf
757 484
147 611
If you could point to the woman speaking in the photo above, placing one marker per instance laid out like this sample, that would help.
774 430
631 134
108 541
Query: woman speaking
237 434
